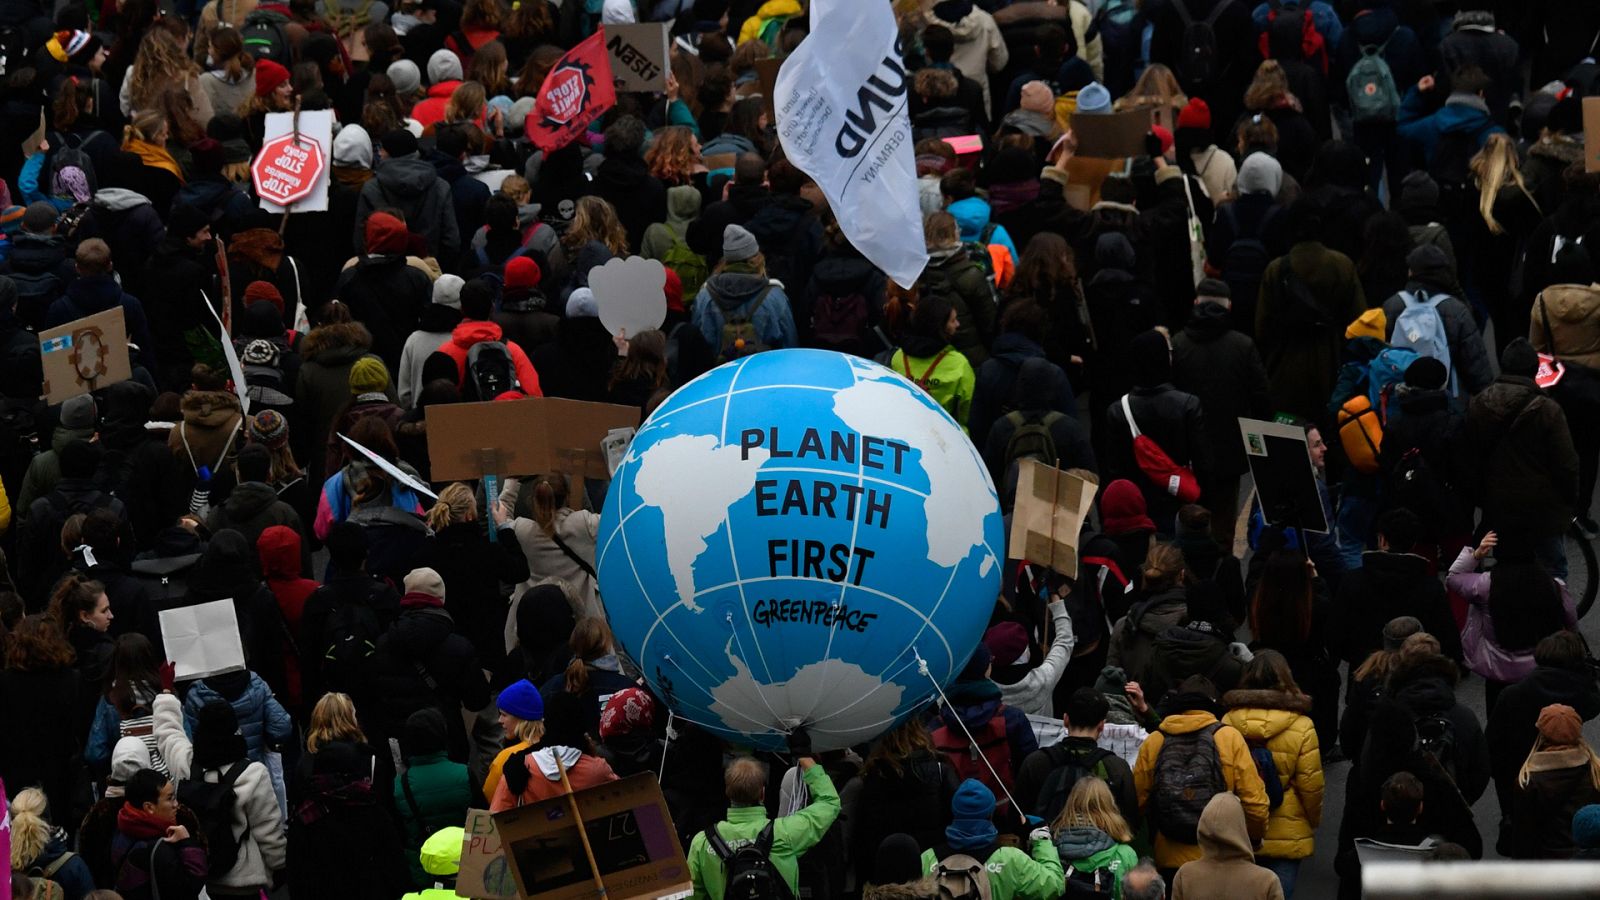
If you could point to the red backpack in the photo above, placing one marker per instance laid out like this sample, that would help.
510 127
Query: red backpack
1313 48
1178 481
967 757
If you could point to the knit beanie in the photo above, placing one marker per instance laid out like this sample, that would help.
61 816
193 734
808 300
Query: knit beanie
447 291
1007 643
386 235
1372 323
368 376
1397 630
79 412
1519 358
1560 725
443 66
738 244
1260 174
1037 98
521 699
424 581
1427 374
270 429
352 147
899 860
1094 99
972 800
405 76
1164 136
257 291
1586 826
268 76
1123 510
582 305
425 733
1151 358
76 47
1195 114
523 272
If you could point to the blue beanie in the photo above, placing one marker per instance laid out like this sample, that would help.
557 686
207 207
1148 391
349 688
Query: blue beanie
972 801
1586 827
522 700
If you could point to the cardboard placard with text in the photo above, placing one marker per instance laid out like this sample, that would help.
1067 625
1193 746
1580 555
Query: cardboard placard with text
1591 134
638 56
635 844
535 435
484 874
1049 514
84 355
1111 135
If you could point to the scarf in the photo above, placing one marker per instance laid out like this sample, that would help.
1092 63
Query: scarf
970 834
140 825
154 156
419 600
1006 197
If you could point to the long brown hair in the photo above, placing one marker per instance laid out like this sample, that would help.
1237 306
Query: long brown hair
228 54
596 220
590 640
485 15
1280 610
1268 670
890 754
529 19
1047 266
72 102
489 69
534 69
37 644
73 597
647 359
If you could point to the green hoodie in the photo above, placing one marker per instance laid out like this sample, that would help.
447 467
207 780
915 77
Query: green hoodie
948 379
1014 875
1088 849
791 836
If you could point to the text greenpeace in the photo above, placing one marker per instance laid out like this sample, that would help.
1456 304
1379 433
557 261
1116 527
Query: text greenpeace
840 100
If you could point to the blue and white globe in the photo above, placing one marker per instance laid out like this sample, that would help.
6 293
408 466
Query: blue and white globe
789 538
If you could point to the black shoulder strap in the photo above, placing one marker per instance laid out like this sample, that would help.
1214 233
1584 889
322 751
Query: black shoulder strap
411 801
571 554
764 839
1183 11
1216 11
234 771
718 845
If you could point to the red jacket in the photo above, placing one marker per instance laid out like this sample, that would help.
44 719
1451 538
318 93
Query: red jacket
430 111
588 771
279 550
470 332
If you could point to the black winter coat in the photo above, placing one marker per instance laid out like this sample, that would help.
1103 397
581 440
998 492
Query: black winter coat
1185 650
1560 783
1526 467
996 386
790 237
1386 586
1427 689
228 569
474 570
914 801
41 267
423 639
640 198
1222 369
343 843
40 560
1428 421
43 752
1511 731
388 296
251 508
356 588
1173 419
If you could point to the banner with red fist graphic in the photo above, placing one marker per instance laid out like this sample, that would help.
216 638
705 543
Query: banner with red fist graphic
576 92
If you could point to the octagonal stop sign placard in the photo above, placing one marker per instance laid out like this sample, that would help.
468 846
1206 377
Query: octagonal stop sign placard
286 170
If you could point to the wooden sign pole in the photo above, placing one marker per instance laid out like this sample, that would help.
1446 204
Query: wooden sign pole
583 833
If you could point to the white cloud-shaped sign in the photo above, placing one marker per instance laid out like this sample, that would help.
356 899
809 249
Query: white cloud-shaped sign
631 294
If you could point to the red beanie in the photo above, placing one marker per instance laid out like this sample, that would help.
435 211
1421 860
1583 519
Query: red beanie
386 234
1195 114
674 291
268 76
1007 643
263 290
1122 509
523 272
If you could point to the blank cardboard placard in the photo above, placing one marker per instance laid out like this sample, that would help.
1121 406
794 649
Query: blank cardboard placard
202 640
635 844
1111 135
1286 483
631 294
1049 513
638 56
535 435
485 874
84 355
1591 134
317 125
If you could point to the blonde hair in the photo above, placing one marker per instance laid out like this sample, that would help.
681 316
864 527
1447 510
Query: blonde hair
333 719
596 220
1269 84
466 102
146 126
1495 166
456 504
1163 567
1539 743
525 730
939 230
517 188
1091 805
1156 88
159 63
30 831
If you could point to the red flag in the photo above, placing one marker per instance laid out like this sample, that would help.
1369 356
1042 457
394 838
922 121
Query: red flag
576 92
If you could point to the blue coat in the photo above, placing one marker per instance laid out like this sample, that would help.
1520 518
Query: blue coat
1426 129
972 216
774 322
262 719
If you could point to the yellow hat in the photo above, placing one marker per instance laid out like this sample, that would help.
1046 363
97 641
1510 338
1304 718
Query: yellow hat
441 852
368 376
1372 323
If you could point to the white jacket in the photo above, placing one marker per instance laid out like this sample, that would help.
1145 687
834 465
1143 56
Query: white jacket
1033 693
579 529
979 48
255 807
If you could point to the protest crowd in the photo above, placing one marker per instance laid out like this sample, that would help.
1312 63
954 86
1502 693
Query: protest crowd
1368 222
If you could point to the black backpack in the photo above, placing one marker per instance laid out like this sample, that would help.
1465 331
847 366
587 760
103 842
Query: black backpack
1188 774
1067 766
1452 169
1436 738
839 319
266 35
490 371
1246 259
349 640
1199 63
213 803
1101 882
750 874
1301 315
66 151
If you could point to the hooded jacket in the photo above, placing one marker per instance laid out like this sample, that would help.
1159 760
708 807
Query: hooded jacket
1134 636
1226 867
90 294
388 296
955 275
1238 772
227 569
544 779
433 328
41 267
251 508
1303 362
1560 782
1015 873
1387 585
283 558
1086 848
413 186
1281 721
262 719
1196 648
1426 689
998 388
1221 368
128 222
211 430
727 292
1461 115
1526 467
1566 323
1469 359
422 639
322 388
472 331
979 46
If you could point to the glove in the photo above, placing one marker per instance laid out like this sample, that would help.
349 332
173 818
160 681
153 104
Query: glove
1039 834
168 672
799 743
515 772
1240 652
1152 145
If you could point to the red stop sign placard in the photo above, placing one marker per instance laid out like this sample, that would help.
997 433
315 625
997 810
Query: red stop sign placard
286 171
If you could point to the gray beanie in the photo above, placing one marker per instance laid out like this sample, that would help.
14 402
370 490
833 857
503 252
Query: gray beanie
738 244
443 65
447 291
406 76
1260 174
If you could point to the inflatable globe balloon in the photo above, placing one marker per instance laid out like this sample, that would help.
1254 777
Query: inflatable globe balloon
800 537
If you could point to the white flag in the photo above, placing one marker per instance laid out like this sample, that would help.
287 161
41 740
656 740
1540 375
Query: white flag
841 104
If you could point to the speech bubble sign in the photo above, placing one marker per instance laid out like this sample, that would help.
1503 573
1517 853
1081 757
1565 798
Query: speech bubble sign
631 294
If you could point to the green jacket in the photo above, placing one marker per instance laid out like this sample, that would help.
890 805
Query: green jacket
442 793
1014 874
791 836
950 382
1119 858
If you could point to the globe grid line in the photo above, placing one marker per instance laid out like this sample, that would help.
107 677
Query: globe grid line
852 704
733 555
844 585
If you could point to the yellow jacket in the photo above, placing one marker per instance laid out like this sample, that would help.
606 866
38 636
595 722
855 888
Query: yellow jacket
498 767
1279 720
751 29
1238 772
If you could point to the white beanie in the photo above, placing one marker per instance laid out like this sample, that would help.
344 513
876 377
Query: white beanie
352 146
581 304
447 291
443 65
1260 174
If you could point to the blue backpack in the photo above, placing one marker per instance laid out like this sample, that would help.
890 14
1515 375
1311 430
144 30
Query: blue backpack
1388 369
1420 327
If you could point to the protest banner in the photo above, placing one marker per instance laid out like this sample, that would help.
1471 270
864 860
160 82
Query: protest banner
202 640
638 55
1286 482
484 873
534 435
576 92
1111 135
84 355
631 842
294 173
840 99
1049 513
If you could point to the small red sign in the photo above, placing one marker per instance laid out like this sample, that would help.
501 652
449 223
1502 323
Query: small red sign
286 170
1550 371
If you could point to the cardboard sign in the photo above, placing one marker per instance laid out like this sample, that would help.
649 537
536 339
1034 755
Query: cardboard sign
84 355
202 640
1591 134
1111 135
316 126
536 435
767 77
1048 516
638 56
631 294
484 874
635 845
1286 482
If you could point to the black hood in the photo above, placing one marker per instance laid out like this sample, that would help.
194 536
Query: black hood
407 178
1392 573
261 320
1574 688
1427 687
227 568
1039 381
438 318
1208 322
126 405
248 500
1189 650
36 253
842 272
419 632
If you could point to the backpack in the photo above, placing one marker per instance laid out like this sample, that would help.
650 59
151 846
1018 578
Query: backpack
739 335
1267 768
690 266
1416 486
1188 774
1436 738
349 640
978 252
838 320
1300 312
1099 882
213 803
961 877
1198 61
1370 86
66 151
1067 767
989 748
498 272
1246 259
749 872
1451 167
490 370
1157 465
1294 30
47 886
1031 438
1420 327
1360 425
35 292
266 36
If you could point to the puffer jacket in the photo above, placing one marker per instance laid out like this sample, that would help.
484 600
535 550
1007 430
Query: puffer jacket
262 719
1281 722
251 508
1133 639
255 808
473 331
1565 323
422 640
1238 773
1088 849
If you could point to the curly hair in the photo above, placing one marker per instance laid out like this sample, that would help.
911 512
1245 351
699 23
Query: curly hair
466 102
161 62
596 220
487 15
36 644
673 155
